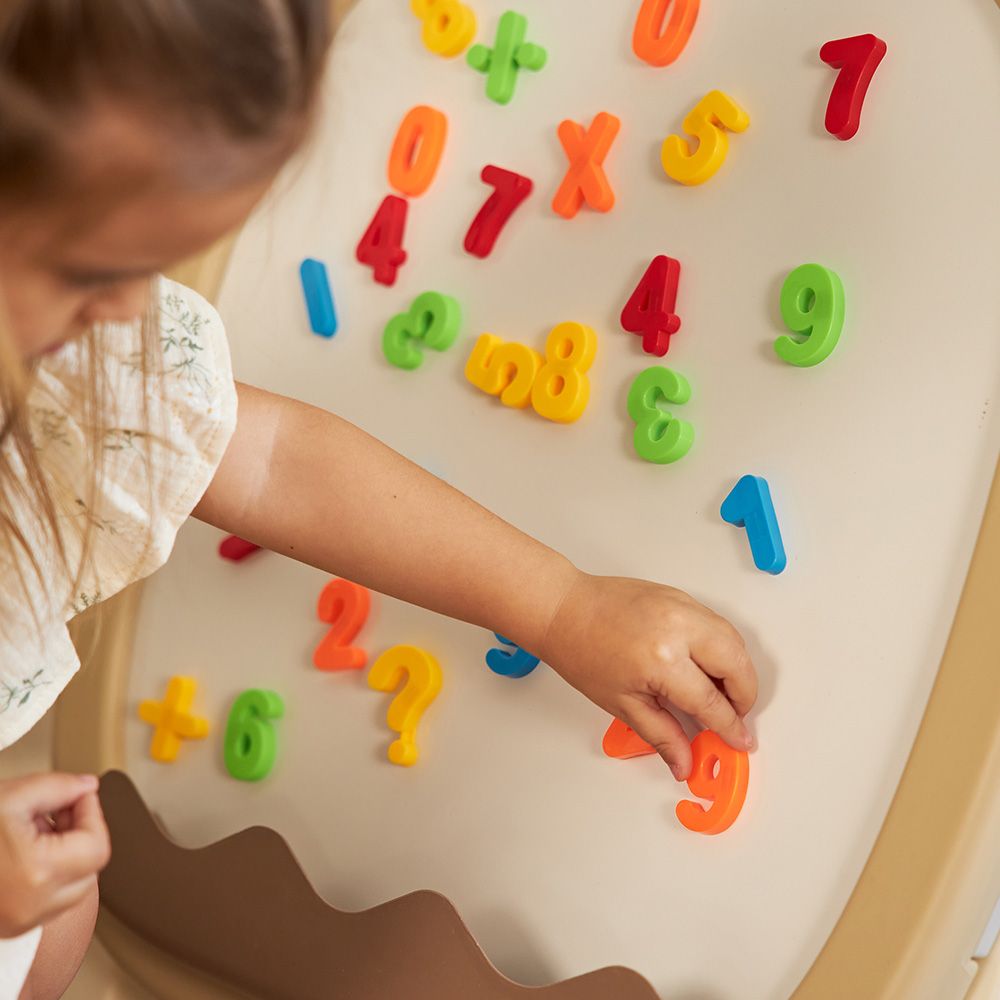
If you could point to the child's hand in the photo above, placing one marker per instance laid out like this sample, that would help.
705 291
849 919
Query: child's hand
637 648
53 842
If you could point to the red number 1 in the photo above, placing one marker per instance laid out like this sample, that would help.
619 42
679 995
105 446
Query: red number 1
857 58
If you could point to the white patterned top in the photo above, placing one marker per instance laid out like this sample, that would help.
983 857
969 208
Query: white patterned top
166 434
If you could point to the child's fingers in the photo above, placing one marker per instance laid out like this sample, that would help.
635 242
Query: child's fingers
47 793
720 652
664 733
696 694
87 815
85 849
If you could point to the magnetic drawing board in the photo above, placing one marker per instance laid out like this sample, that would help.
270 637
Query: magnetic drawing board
879 460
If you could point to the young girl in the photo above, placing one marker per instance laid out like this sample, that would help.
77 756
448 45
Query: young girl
134 133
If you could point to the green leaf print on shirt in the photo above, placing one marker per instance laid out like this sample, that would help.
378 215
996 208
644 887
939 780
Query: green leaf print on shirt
17 695
48 427
181 342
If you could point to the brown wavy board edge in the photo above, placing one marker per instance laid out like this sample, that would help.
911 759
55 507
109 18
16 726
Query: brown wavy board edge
242 910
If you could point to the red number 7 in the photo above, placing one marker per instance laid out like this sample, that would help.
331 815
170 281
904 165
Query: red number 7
857 59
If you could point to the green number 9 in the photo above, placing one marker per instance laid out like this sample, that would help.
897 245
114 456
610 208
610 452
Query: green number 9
812 304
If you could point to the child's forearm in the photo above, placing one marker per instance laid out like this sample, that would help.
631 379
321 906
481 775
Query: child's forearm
303 482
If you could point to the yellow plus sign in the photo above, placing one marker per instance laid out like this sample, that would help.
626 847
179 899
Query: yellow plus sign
173 719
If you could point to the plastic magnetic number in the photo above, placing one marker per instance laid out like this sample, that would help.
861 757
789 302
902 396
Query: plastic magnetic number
448 25
659 436
562 389
319 298
433 320
726 790
585 180
173 719
504 369
423 681
812 304
512 662
509 54
749 506
417 149
510 190
236 549
344 606
857 58
650 308
622 742
707 122
381 247
660 43
250 744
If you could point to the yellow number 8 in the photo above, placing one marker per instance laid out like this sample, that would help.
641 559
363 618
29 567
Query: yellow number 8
561 389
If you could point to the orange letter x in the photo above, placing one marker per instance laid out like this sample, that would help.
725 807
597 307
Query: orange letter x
585 180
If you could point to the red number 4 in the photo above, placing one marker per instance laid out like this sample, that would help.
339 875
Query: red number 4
650 308
381 248
857 58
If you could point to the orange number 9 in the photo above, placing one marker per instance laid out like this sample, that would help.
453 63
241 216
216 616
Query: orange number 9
725 788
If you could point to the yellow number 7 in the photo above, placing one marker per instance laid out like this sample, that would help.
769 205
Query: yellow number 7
707 121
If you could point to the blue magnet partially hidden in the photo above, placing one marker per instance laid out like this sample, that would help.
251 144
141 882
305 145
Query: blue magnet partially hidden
514 662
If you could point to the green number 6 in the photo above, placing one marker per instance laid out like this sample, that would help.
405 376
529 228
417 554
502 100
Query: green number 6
659 436
250 745
812 304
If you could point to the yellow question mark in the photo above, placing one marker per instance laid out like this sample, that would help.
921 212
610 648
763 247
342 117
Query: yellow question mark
422 685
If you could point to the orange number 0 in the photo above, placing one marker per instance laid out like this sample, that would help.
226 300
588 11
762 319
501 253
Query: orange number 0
657 44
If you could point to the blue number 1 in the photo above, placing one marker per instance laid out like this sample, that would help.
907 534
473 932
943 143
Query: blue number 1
510 663
749 505
319 298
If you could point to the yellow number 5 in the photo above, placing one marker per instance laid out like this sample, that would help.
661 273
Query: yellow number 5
707 122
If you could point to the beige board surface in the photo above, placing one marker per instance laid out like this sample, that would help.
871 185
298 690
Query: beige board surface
909 944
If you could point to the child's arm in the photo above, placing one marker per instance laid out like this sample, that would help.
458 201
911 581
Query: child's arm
301 481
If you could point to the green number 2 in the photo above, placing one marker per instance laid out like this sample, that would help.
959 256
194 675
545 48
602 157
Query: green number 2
250 744
659 436
433 320
812 304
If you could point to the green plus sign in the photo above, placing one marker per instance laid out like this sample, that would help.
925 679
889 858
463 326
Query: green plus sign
510 53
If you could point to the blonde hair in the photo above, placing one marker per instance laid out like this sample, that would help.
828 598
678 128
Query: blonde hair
241 76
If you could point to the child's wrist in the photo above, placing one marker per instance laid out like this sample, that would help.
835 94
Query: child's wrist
552 583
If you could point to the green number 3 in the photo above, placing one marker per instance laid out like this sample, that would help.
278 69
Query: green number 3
659 436
250 744
433 320
812 304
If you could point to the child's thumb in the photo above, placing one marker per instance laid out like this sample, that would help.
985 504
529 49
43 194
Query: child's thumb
47 793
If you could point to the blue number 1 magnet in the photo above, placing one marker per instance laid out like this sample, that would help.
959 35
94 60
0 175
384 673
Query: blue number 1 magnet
749 505
319 298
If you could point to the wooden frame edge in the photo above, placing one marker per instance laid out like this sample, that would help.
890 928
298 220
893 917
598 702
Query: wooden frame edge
921 901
